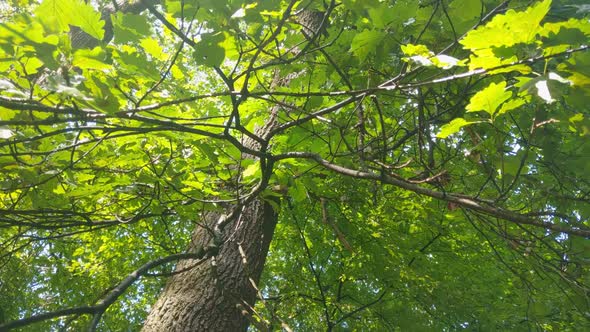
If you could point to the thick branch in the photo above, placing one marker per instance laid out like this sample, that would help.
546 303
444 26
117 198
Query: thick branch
458 199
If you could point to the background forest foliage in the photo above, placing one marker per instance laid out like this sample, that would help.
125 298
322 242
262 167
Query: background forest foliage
431 157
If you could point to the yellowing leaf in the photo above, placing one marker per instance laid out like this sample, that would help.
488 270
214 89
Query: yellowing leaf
508 29
411 49
153 48
32 65
251 171
489 98
177 73
485 59
576 24
79 251
194 184
229 45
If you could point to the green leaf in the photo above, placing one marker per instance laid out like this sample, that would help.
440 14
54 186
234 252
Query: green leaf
365 43
209 51
32 65
489 98
510 105
26 32
464 14
136 63
103 97
578 123
578 69
382 15
298 192
454 127
91 59
179 8
130 27
58 15
571 32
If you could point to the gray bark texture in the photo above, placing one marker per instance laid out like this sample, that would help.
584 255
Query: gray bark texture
215 295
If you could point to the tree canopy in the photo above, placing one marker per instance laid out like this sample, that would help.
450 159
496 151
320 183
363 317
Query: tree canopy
429 161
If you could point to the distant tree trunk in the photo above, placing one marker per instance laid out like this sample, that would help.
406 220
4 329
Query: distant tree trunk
213 296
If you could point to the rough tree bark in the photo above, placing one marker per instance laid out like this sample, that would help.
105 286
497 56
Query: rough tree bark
217 295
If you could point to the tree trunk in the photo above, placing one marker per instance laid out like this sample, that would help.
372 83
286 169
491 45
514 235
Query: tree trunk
219 294
216 295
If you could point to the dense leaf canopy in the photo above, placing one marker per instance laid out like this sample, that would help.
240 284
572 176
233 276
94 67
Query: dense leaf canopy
431 157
